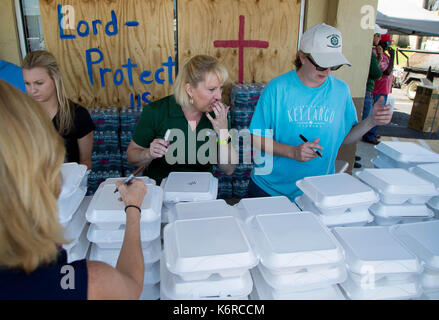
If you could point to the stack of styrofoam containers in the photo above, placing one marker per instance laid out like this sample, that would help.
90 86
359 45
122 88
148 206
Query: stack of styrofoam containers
248 208
379 266
206 258
337 199
299 257
107 217
429 172
397 154
76 233
422 239
403 195
71 209
187 187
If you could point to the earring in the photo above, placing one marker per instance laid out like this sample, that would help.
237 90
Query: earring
191 101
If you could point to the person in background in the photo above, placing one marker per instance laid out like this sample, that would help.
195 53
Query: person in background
383 86
31 259
195 105
44 83
375 73
308 102
12 74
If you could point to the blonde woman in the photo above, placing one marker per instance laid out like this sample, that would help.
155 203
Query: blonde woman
195 106
32 264
44 83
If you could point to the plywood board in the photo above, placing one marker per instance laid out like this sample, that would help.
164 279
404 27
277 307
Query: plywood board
117 53
266 30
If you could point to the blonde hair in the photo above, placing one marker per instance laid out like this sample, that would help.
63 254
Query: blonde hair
31 155
194 71
46 60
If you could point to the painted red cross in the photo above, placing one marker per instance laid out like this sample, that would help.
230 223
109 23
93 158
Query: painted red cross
241 44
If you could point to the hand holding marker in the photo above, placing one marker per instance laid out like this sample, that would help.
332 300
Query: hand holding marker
306 140
132 176
135 173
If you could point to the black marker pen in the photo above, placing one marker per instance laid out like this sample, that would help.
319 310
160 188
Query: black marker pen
305 140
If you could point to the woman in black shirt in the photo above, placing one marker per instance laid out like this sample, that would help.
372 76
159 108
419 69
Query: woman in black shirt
44 83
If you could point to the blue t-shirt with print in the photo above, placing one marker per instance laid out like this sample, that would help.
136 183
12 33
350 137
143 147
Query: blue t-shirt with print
287 109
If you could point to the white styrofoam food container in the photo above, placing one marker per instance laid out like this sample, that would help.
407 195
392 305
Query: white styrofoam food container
163 296
391 291
150 292
197 248
113 239
108 212
375 250
430 279
152 266
69 205
151 252
429 172
75 227
250 207
392 163
189 186
348 218
200 209
79 250
307 202
72 174
336 193
397 186
429 295
215 287
263 291
380 163
408 153
397 210
422 239
382 221
279 242
146 180
305 279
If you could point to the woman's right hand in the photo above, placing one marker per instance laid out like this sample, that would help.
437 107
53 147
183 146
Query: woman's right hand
133 192
158 148
305 151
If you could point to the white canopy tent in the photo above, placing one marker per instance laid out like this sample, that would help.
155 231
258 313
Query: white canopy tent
407 17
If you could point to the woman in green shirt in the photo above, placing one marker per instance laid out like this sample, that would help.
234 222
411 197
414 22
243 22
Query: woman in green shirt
197 119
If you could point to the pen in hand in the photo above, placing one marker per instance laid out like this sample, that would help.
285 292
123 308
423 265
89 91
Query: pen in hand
166 137
306 140
131 176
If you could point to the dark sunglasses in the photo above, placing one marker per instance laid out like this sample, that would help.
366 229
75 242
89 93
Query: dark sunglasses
319 68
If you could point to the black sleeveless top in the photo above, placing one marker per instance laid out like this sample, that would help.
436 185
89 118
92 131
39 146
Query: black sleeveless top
82 125
55 281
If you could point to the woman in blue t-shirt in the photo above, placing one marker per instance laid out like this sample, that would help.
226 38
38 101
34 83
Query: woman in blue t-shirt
32 263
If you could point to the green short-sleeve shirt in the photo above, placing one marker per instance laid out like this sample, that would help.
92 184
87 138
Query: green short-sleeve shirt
190 151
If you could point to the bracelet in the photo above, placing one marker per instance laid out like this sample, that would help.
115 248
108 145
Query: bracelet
133 206
224 142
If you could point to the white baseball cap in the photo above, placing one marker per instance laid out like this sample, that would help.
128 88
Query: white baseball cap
324 44
379 30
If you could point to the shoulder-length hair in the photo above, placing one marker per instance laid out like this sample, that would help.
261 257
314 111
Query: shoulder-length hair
31 155
194 71
46 60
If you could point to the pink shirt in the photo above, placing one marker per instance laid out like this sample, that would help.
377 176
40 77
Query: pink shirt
384 84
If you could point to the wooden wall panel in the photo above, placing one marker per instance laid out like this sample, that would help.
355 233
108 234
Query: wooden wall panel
200 23
147 45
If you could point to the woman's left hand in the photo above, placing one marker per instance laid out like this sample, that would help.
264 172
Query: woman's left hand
220 122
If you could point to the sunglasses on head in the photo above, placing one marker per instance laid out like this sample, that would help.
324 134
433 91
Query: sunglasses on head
319 68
